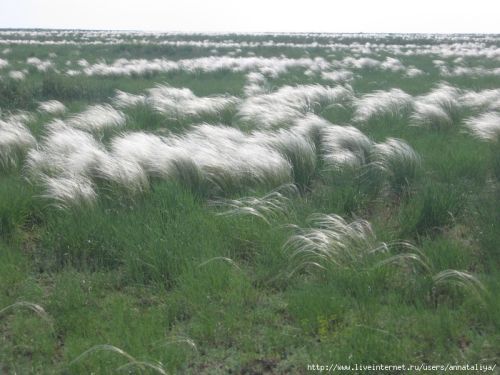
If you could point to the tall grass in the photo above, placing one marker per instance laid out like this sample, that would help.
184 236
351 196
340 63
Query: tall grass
204 204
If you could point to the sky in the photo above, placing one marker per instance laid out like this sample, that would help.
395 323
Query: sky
422 16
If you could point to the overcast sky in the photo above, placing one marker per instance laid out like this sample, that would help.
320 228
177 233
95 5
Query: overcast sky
441 16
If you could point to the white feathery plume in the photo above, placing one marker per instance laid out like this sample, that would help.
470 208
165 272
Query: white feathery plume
485 127
345 146
124 99
332 241
17 75
394 102
97 117
15 140
290 102
180 103
52 107
438 108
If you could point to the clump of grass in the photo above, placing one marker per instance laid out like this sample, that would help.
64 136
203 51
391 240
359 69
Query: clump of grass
298 149
439 109
394 102
481 100
181 103
345 146
461 279
289 103
485 127
438 286
52 107
124 99
69 190
64 164
332 241
397 162
97 118
269 207
15 141
433 208
431 116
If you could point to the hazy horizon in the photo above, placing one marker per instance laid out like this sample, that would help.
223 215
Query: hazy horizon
224 16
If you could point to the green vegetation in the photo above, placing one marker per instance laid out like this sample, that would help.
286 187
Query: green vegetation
393 259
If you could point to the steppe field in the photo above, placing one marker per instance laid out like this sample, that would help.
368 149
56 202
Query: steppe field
248 204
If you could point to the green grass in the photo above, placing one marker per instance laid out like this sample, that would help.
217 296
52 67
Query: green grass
160 279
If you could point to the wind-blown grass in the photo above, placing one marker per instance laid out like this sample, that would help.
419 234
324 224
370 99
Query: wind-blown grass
52 107
180 103
397 162
149 208
290 102
332 241
394 102
15 141
298 149
345 146
439 109
485 127
97 117
271 206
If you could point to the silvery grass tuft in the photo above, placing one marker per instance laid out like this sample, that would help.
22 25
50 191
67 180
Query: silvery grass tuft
3 63
223 157
440 281
298 149
271 206
219 155
394 102
124 99
480 100
463 280
52 107
311 127
40 65
69 190
66 150
438 109
338 76
17 75
430 115
97 117
331 241
232 160
360 63
64 163
413 72
485 127
396 162
181 103
288 103
272 66
15 141
344 146
149 151
256 84
154 156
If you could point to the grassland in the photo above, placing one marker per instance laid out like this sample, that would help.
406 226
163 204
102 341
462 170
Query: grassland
247 203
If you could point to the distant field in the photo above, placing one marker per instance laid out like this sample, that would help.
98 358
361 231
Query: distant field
188 203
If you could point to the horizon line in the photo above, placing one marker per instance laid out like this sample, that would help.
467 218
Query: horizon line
249 32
